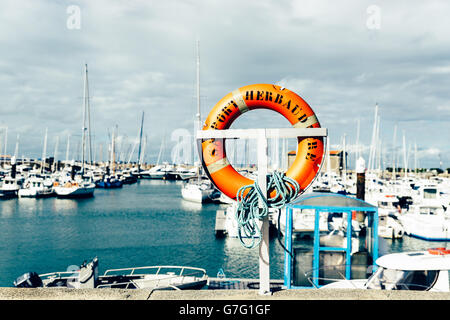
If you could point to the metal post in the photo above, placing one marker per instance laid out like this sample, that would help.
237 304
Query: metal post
264 259
288 245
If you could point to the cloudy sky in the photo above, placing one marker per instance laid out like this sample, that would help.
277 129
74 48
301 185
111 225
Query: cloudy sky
342 57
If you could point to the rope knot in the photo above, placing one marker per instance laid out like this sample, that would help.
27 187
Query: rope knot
252 205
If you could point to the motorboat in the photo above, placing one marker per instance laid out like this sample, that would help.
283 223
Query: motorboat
10 187
199 190
127 177
426 270
156 172
109 182
389 225
36 187
149 277
427 222
181 173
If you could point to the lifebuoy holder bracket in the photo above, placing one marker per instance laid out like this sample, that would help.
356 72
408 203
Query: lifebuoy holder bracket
261 136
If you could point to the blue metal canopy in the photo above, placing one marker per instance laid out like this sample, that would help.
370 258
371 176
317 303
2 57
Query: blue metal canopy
331 203
322 200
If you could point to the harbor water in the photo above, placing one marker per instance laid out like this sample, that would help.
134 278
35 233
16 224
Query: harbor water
143 224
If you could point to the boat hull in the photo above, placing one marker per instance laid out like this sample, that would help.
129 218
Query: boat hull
8 194
75 192
431 228
109 185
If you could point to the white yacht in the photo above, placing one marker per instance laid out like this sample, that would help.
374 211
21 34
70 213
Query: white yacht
426 270
36 187
9 188
86 277
389 225
199 190
427 218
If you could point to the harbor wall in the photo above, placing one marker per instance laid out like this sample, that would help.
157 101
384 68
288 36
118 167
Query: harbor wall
143 294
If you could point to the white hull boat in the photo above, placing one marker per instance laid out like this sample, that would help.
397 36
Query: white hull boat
75 190
150 277
36 187
427 224
199 191
417 270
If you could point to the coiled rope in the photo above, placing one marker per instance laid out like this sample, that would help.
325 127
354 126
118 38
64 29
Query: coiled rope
252 205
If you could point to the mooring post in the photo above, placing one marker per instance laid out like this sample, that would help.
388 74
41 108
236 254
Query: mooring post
264 259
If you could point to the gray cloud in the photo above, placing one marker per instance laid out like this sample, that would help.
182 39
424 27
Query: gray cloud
141 56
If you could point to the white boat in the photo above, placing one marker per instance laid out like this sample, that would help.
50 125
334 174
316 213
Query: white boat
303 222
86 277
231 225
417 270
10 188
199 190
74 188
389 225
35 187
181 173
427 222
427 218
157 172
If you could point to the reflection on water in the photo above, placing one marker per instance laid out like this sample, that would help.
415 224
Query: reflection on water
143 224
147 223
191 206
64 205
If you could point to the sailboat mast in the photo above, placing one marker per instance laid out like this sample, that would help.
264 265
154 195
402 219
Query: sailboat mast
16 151
374 132
6 142
394 146
68 148
405 161
83 133
44 151
199 171
88 106
140 143
198 87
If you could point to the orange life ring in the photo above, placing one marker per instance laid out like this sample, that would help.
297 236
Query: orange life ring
439 251
261 96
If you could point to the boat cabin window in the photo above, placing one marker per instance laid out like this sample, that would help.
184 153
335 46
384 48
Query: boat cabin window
390 279
429 193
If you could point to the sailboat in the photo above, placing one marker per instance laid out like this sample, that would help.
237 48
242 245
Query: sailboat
199 189
136 173
36 185
77 186
110 180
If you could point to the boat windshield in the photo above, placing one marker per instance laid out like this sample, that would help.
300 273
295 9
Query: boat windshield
429 193
390 279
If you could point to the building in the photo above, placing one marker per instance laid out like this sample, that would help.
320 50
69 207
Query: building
336 160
